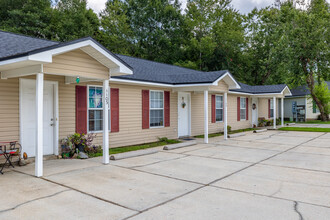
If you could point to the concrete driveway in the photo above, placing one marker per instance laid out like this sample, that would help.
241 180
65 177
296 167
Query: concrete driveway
271 175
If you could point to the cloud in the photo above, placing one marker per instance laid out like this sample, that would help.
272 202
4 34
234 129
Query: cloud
245 6
96 5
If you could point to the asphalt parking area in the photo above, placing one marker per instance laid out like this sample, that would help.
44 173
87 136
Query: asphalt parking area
270 175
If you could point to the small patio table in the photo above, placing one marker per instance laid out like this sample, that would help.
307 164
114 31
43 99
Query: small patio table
8 150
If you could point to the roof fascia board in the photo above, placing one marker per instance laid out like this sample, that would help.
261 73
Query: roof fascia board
252 94
15 60
158 84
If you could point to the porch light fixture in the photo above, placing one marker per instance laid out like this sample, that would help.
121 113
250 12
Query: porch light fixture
77 79
183 104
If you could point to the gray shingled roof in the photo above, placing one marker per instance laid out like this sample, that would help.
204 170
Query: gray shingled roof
303 90
150 71
12 45
260 89
16 45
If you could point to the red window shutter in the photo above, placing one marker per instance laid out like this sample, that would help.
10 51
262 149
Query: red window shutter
145 109
238 108
268 108
114 97
81 109
247 108
213 119
167 108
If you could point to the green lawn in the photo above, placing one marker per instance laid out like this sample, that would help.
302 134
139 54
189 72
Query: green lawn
305 129
117 150
310 122
231 132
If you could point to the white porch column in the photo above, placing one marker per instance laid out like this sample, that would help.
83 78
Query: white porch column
206 117
282 111
225 116
274 112
106 104
39 124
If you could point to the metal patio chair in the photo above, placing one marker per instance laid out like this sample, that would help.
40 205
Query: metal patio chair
10 150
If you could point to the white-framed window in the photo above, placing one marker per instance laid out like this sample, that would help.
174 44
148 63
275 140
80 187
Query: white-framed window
156 108
243 108
271 108
219 108
95 109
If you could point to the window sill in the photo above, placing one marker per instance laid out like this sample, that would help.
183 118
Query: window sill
96 132
156 127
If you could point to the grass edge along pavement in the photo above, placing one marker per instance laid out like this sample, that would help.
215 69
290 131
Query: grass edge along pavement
117 150
306 129
230 132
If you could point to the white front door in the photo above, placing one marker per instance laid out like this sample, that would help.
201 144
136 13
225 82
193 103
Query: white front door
28 117
183 114
254 107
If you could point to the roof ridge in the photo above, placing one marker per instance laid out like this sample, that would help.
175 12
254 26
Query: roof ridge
23 35
162 63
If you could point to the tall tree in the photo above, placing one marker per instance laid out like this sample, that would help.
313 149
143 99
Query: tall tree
215 36
116 33
305 42
29 17
72 20
262 51
156 25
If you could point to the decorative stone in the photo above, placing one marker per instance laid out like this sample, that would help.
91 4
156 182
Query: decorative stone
23 162
82 155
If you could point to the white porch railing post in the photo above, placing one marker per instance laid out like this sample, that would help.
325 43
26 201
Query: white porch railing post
106 104
274 112
39 124
206 118
282 111
225 116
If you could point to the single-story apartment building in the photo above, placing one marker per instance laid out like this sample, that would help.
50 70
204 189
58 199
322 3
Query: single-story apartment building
300 106
49 90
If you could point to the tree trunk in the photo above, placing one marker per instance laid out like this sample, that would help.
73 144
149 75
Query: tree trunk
311 83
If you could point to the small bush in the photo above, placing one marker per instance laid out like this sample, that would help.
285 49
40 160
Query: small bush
163 139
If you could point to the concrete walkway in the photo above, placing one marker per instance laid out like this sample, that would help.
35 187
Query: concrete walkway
270 175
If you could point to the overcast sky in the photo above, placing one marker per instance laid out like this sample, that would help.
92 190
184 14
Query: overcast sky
243 5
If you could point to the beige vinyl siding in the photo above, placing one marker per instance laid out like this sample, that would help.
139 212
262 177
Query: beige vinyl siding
221 87
130 116
76 63
232 113
9 111
263 108
197 115
309 110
